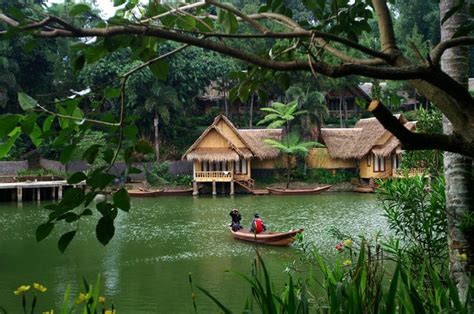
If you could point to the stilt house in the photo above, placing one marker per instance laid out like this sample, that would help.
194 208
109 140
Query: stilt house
225 155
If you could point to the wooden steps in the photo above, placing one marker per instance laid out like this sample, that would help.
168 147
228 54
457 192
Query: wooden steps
249 185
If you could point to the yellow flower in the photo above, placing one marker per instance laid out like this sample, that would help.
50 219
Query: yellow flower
348 242
347 262
101 300
463 257
82 297
39 287
21 289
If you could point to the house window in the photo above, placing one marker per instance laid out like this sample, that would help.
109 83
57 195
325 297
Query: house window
237 166
395 161
379 163
244 166
369 160
204 166
224 166
211 166
217 166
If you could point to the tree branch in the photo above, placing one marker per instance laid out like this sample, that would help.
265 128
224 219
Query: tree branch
419 141
387 35
262 29
440 48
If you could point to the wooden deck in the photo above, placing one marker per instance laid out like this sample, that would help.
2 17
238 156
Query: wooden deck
55 188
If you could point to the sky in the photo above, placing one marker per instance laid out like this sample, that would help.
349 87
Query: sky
106 6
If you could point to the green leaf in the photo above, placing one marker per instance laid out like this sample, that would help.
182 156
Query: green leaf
76 178
111 92
91 153
118 2
108 155
122 200
26 102
8 122
36 135
79 8
7 146
66 153
99 180
160 69
105 229
47 123
43 231
78 63
65 240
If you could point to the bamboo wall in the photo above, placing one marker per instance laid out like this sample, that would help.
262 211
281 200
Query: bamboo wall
318 158
367 172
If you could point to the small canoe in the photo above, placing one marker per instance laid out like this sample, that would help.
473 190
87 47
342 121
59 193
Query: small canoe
177 192
269 238
144 193
298 191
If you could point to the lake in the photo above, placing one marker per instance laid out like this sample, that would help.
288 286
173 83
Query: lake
145 267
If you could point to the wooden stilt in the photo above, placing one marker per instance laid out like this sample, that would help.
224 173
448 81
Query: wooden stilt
60 192
195 188
19 194
214 188
38 194
231 187
54 193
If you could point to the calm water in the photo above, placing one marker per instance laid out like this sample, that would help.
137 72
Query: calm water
145 267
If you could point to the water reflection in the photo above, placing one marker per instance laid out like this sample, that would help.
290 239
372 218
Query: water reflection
145 267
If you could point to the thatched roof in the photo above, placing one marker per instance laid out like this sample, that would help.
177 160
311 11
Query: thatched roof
213 154
341 143
221 153
255 137
393 144
355 143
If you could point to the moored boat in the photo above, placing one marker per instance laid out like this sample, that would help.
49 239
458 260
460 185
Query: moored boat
144 193
177 192
277 191
363 189
269 238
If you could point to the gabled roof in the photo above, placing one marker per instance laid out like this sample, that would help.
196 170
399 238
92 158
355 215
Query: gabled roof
366 136
255 137
232 153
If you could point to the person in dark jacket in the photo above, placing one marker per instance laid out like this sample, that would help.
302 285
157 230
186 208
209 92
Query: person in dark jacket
236 218
257 225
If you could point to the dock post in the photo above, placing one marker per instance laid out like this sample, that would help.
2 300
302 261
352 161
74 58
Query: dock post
231 187
54 193
214 193
195 188
38 194
19 194
60 192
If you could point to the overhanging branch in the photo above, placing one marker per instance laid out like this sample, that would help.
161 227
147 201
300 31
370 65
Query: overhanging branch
419 141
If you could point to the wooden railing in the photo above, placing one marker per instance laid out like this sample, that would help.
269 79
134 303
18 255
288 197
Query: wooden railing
213 175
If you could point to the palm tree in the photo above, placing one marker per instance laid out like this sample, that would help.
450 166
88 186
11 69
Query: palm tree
291 146
314 104
280 114
159 103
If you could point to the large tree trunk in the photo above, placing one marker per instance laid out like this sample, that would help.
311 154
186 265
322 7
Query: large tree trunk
157 137
457 168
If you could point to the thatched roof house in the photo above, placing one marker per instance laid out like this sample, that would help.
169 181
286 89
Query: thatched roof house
368 135
222 141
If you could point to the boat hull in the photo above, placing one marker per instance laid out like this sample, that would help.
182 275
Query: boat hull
276 191
267 238
146 193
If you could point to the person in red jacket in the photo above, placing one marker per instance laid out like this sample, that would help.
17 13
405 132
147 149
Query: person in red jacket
257 225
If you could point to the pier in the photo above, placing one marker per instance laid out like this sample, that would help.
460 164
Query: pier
37 190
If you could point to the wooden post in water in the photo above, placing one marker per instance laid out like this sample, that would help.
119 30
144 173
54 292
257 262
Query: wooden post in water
19 194
54 193
38 194
214 193
195 188
60 192
231 187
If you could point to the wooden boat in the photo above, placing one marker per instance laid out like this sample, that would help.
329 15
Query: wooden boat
269 238
177 192
144 193
363 189
298 191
